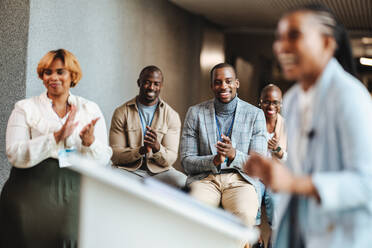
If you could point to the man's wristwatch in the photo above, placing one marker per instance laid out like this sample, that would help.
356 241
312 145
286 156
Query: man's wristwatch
277 150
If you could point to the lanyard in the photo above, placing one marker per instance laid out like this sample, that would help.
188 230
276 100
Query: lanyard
228 131
219 128
143 121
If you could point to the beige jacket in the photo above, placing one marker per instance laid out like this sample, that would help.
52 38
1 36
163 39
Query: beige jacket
126 137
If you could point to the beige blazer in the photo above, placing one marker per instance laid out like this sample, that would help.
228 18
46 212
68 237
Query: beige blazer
126 137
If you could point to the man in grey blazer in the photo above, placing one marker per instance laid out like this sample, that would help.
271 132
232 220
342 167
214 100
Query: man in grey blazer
216 139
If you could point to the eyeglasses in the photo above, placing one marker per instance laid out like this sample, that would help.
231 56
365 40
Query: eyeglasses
267 103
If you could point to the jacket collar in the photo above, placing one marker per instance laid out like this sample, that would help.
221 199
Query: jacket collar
320 100
133 102
323 85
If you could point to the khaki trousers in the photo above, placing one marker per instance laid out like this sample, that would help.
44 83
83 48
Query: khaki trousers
231 190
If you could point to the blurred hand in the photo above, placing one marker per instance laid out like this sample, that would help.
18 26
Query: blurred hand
87 133
272 173
67 128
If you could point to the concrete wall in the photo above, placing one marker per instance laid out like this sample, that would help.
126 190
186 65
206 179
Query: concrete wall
212 53
14 17
114 40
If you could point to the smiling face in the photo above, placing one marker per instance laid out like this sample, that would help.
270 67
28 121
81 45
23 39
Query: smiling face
57 79
150 85
301 48
224 84
270 102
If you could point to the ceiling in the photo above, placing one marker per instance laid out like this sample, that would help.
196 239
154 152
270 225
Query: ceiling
356 15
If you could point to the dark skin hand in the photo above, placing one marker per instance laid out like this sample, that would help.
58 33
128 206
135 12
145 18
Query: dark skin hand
150 142
67 128
87 133
273 145
278 177
218 159
224 150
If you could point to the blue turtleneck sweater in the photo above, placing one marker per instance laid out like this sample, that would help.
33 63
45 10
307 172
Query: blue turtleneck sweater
225 114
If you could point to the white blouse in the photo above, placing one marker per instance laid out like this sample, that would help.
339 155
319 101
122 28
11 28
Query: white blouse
31 126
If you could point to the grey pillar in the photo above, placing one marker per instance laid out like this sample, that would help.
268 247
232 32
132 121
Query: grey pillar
14 22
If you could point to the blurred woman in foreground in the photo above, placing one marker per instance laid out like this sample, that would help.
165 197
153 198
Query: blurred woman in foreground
327 192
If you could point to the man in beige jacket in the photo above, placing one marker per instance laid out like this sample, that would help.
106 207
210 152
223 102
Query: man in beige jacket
145 132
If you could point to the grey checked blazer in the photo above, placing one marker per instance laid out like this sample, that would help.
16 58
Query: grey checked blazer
199 137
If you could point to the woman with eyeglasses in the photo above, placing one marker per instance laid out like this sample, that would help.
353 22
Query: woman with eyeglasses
271 103
39 204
